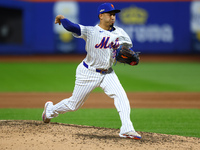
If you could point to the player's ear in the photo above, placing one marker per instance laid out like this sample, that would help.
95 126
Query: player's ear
100 16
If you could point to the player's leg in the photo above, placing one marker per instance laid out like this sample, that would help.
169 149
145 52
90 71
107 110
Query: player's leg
86 81
80 94
113 88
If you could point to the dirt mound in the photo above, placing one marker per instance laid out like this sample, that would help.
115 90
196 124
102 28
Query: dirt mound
37 135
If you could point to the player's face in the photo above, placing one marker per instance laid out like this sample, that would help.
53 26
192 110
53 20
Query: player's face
108 18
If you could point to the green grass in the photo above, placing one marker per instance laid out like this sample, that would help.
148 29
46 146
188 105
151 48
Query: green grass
157 77
184 122
37 77
60 77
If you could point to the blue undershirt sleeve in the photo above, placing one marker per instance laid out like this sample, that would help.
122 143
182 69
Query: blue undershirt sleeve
70 26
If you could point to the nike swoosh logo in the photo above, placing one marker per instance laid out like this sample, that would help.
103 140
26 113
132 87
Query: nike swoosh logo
100 31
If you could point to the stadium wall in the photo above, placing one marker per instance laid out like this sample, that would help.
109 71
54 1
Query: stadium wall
155 26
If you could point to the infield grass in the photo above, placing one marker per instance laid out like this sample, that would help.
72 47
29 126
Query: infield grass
184 122
60 77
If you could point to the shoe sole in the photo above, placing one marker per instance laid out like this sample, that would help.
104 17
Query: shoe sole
45 120
130 136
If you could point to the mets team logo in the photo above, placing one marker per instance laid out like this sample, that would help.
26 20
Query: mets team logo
104 43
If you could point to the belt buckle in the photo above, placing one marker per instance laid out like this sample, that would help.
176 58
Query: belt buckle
103 71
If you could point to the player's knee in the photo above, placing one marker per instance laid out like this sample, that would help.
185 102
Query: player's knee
74 108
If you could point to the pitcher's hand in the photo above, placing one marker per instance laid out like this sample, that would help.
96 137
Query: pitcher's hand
58 18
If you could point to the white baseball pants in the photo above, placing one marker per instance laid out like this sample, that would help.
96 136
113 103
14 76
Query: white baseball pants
87 80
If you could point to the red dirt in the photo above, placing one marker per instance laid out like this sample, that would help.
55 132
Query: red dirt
101 100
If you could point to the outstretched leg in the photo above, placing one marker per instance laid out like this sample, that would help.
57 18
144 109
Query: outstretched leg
86 81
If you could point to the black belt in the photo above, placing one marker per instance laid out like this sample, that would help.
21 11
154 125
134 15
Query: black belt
102 71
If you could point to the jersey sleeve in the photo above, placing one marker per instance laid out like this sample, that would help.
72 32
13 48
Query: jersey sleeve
84 32
124 39
70 26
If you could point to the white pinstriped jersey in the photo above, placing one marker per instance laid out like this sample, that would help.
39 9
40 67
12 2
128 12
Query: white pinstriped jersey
100 45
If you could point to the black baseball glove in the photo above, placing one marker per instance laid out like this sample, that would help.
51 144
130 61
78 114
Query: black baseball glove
127 56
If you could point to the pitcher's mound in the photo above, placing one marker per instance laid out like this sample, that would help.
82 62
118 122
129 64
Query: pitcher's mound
17 134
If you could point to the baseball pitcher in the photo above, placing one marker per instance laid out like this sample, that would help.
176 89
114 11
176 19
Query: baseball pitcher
105 44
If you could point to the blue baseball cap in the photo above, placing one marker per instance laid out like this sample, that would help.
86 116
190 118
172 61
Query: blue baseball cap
107 7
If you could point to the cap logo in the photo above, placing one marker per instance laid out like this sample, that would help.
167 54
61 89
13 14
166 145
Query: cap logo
102 10
112 5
